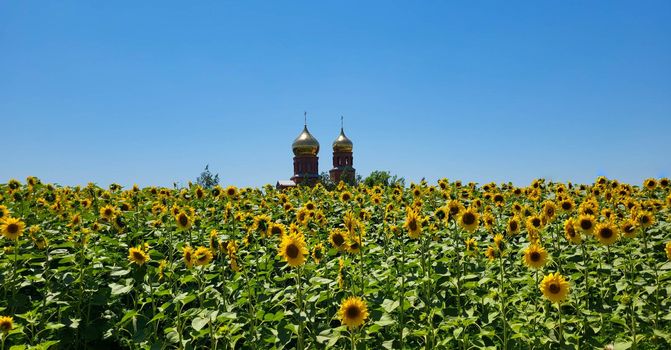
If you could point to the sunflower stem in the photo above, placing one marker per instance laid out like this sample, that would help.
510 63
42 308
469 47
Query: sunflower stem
503 305
301 346
402 294
561 335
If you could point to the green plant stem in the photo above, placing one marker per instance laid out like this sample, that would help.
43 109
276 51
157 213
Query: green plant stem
561 334
402 294
503 305
301 326
353 339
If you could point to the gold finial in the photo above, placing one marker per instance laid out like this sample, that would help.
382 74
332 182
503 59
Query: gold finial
342 143
305 143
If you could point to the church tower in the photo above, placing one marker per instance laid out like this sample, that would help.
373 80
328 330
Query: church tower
342 158
306 162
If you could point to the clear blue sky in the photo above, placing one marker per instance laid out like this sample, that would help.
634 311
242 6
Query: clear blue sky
150 92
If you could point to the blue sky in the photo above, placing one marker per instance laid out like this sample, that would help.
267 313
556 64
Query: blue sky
150 92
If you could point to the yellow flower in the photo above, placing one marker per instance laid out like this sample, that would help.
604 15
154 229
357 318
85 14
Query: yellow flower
202 256
183 220
554 287
491 253
276 230
353 312
645 219
513 225
107 212
318 252
188 255
668 250
161 269
469 219
337 239
137 255
471 245
586 223
3 211
570 232
628 228
12 228
413 224
6 324
293 250
606 233
535 256
534 224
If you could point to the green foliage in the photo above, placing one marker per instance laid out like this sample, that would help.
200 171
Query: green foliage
206 179
383 178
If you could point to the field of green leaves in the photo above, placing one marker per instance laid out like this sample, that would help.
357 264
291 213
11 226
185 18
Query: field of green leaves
433 266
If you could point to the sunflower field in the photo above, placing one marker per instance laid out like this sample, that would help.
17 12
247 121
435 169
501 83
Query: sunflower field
444 266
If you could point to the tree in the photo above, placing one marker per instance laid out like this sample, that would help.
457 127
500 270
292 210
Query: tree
383 178
206 179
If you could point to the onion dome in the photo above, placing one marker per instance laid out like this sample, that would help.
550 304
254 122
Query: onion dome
342 143
305 144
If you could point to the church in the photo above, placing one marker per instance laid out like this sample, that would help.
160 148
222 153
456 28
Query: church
306 160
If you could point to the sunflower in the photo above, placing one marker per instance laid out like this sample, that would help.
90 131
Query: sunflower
337 238
137 255
629 228
183 220
499 242
469 219
645 219
454 207
187 253
513 226
12 228
491 253
549 210
345 196
570 232
353 245
107 212
586 223
231 191
276 229
471 245
318 252
668 250
554 287
650 184
534 224
3 211
353 312
293 250
413 224
6 324
606 233
441 214
202 256
535 256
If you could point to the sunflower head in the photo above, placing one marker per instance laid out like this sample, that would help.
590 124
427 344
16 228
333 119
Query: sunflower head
6 324
318 252
606 233
628 228
202 256
586 223
570 231
668 249
353 312
183 220
187 254
469 219
12 228
337 238
513 226
645 219
535 256
292 249
137 255
554 287
413 224
107 212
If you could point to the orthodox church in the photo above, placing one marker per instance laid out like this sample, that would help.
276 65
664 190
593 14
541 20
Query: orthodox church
306 161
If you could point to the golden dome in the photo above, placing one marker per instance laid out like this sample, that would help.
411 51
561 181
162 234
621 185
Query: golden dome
305 144
342 143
